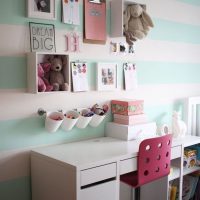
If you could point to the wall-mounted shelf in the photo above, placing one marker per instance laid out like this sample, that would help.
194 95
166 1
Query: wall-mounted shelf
117 10
33 59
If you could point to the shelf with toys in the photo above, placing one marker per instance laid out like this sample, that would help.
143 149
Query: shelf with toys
48 72
129 19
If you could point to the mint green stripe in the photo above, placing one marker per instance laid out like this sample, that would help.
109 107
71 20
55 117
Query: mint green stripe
191 2
167 72
173 31
31 132
12 72
14 12
18 189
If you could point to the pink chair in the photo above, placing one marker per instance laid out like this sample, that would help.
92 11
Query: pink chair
153 162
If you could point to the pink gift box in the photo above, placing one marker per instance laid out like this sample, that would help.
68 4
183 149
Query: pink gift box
127 107
130 120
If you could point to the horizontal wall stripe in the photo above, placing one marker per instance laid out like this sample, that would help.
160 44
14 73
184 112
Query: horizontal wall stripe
12 72
191 2
15 12
28 104
18 189
179 12
147 49
171 73
23 133
172 31
31 132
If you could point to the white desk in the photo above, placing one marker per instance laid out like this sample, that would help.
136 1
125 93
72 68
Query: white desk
88 170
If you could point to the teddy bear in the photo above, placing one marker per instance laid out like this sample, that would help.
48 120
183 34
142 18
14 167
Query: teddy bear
43 83
136 23
57 71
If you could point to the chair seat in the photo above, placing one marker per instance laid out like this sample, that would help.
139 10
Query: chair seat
130 179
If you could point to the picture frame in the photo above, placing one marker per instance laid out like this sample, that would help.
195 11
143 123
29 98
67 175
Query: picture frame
42 37
106 76
43 9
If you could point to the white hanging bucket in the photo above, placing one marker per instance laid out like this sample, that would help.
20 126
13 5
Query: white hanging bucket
96 120
53 121
83 121
70 119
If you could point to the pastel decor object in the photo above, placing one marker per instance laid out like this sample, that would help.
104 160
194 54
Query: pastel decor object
53 121
131 119
96 120
127 107
178 126
70 119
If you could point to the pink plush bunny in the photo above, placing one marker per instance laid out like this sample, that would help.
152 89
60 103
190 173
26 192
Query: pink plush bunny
43 83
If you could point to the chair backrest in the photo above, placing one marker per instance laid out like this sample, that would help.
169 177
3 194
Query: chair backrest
154 158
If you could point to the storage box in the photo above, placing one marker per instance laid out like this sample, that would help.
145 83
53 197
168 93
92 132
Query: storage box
127 107
130 120
125 132
190 158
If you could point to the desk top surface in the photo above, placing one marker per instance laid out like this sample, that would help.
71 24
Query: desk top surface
99 151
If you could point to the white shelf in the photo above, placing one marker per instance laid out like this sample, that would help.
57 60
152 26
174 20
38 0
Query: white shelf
33 59
190 170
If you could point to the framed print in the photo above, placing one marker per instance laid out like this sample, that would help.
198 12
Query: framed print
43 9
42 37
106 76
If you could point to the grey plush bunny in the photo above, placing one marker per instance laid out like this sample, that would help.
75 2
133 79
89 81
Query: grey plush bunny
136 23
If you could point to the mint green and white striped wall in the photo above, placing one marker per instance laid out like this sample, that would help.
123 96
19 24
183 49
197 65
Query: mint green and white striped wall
168 64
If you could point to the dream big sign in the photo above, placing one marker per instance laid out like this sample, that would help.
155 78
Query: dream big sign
42 37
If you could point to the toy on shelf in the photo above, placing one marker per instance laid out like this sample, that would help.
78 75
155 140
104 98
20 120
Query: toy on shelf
178 126
55 74
136 23
189 159
43 83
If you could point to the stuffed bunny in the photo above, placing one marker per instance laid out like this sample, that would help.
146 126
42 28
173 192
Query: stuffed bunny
136 23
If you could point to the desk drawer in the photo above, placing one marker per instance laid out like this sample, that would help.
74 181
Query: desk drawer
175 152
128 165
98 173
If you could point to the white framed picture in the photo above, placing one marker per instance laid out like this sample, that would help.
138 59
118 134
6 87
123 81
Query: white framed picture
106 76
43 9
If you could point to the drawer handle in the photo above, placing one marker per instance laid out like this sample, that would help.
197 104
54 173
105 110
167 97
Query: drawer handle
98 183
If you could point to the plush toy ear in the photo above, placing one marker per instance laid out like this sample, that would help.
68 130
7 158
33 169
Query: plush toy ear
127 16
147 19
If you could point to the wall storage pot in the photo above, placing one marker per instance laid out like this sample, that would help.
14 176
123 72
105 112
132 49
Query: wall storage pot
53 121
70 119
